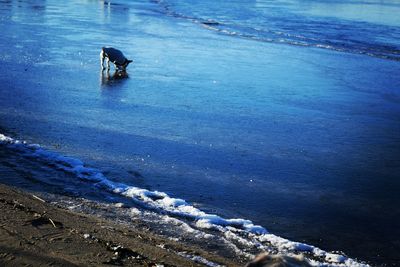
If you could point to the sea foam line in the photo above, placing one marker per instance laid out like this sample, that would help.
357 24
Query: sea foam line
239 230
275 36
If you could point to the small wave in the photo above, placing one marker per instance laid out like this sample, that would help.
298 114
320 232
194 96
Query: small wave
299 40
237 230
234 29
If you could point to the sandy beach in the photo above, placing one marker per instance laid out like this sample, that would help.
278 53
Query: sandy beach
36 233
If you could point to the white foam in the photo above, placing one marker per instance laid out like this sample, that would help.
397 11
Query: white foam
6 139
119 205
243 241
240 230
199 259
283 244
134 212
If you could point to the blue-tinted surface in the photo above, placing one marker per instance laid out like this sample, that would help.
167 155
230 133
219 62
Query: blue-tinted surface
247 108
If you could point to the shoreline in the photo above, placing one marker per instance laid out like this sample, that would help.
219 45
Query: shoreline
36 232
117 239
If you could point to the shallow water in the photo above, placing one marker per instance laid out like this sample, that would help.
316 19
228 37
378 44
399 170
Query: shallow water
285 113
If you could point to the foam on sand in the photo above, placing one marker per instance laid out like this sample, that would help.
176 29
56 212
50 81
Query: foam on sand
236 230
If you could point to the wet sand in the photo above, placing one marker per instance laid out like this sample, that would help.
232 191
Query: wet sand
36 233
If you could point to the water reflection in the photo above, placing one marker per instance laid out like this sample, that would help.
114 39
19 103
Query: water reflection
116 78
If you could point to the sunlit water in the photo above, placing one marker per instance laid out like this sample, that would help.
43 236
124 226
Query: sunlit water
286 113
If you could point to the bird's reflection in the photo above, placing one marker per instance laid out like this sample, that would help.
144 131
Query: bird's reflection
108 79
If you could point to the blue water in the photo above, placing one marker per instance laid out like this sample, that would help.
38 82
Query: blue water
363 27
283 112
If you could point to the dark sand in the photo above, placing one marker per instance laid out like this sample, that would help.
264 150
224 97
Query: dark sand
36 233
